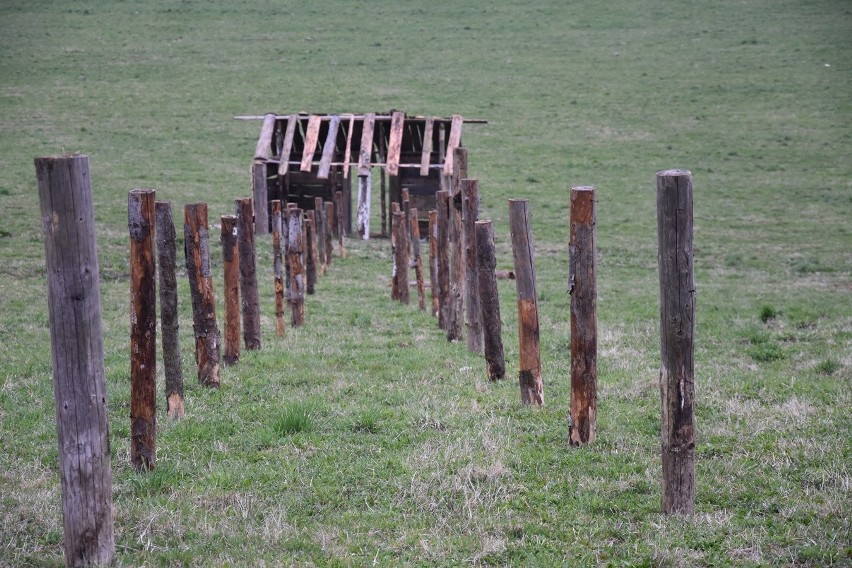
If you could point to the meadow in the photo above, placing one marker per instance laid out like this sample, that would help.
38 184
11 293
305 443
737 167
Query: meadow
364 438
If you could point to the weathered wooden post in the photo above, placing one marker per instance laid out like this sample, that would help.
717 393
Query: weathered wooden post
231 268
400 231
278 266
455 324
584 343
364 187
141 220
442 205
365 176
418 262
395 282
341 228
248 273
320 231
433 262
310 251
167 261
470 212
77 358
532 388
197 250
677 346
489 300
295 248
329 237
259 197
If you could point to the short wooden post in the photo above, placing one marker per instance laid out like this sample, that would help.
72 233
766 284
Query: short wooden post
418 262
197 249
433 262
320 231
489 301
532 388
364 188
341 229
330 223
295 249
77 358
231 269
278 266
455 324
584 343
400 231
395 281
470 212
167 260
248 273
442 219
310 251
259 196
677 345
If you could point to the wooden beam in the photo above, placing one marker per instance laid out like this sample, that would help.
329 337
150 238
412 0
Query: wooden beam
263 150
453 143
395 143
426 155
311 137
292 121
366 145
328 148
347 153
379 118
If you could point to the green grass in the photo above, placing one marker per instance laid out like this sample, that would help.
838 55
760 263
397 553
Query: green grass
364 437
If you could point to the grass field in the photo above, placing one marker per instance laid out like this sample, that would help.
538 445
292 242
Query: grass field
364 437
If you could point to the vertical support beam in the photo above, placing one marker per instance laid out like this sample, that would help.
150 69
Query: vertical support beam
677 344
287 146
77 358
278 266
582 421
433 262
328 148
455 324
169 320
489 301
400 231
310 251
453 144
330 223
347 151
311 138
320 231
258 191
470 213
364 189
248 274
395 143
418 262
295 249
442 203
532 388
231 269
426 154
394 245
341 229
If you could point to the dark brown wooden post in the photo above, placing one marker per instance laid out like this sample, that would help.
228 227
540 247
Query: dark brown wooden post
455 324
320 231
197 249
295 248
418 262
442 204
231 268
278 266
329 237
433 262
677 346
248 273
167 260
310 251
489 300
400 231
395 281
584 342
470 212
259 196
341 228
77 357
532 388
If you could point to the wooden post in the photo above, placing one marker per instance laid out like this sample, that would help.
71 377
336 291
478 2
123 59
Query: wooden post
395 281
310 252
295 248
341 229
231 268
261 205
532 388
206 331
383 182
329 237
364 188
677 346
400 231
443 221
455 324
489 301
169 320
320 231
470 212
584 342
77 358
418 263
248 273
278 266
433 262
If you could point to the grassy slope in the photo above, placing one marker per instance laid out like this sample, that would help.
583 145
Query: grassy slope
412 456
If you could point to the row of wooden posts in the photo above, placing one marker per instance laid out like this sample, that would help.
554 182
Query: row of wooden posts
462 267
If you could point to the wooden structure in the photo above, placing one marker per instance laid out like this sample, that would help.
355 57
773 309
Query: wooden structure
309 156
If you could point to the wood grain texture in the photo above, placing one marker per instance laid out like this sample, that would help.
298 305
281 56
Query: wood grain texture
250 299
433 262
401 248
452 143
309 230
328 148
442 204
278 266
473 312
456 314
489 301
287 145
231 269
417 262
320 230
311 139
366 151
169 316
341 228
364 190
347 152
263 149
426 153
394 143
259 194
295 250
330 223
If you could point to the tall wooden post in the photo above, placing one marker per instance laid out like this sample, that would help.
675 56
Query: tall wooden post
169 320
395 282
295 248
489 301
418 262
77 358
197 249
310 251
231 268
400 230
320 230
259 196
364 188
330 223
278 266
341 228
584 341
455 324
532 388
470 212
677 345
248 273
442 204
383 182
433 262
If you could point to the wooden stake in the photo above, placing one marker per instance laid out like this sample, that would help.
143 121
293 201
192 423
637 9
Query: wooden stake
320 231
677 344
169 320
395 281
364 183
248 274
77 358
470 212
443 223
489 301
231 268
341 230
532 388
329 237
582 288
310 251
295 249
259 194
455 324
418 263
278 266
433 262
400 231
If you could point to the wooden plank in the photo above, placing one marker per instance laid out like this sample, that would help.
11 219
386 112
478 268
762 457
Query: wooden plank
395 143
426 156
366 145
453 143
347 153
311 137
287 147
379 118
328 148
263 149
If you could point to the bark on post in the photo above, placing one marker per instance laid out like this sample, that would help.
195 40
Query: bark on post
167 260
320 231
310 251
341 229
418 262
77 358
584 343
443 222
489 301
433 262
197 250
400 230
259 195
364 188
677 347
330 223
231 268
278 266
470 212
395 280
295 249
248 273
532 388
455 325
